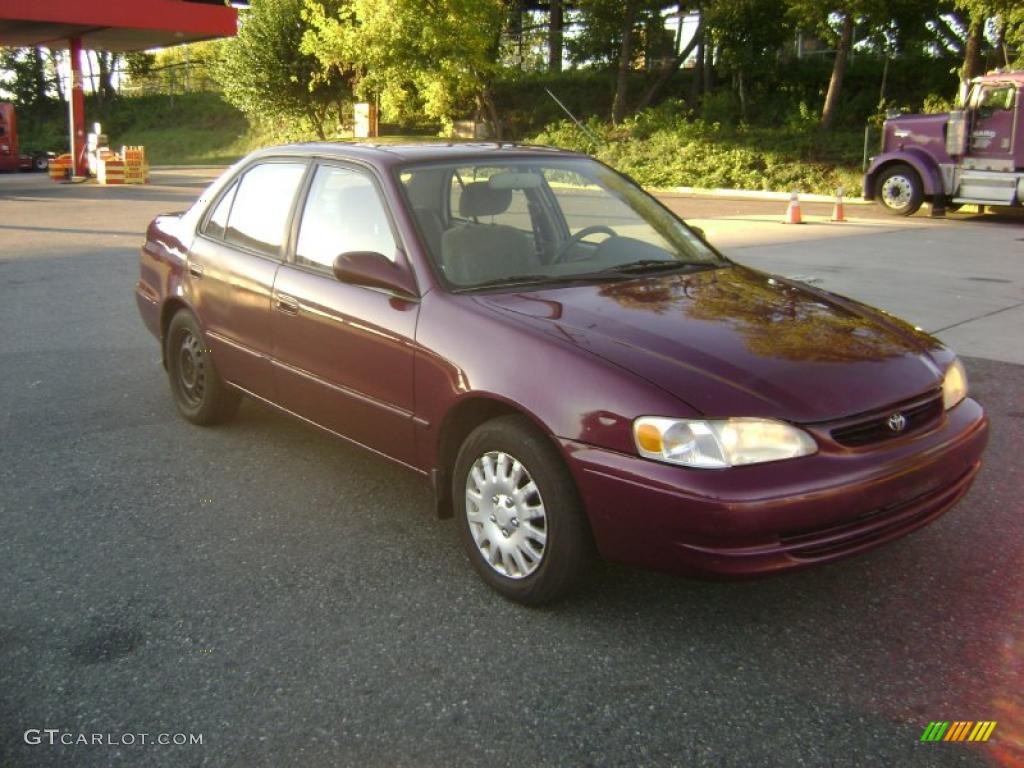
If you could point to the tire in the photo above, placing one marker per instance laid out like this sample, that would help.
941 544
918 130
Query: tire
531 545
197 388
899 190
40 163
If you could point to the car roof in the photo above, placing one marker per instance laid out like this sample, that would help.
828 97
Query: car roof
1016 77
400 154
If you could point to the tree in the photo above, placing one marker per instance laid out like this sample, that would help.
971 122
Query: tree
625 61
611 34
266 74
748 33
673 65
835 83
1007 20
837 22
27 80
107 63
555 23
438 58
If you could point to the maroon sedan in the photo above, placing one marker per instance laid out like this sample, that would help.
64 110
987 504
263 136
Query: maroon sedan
575 370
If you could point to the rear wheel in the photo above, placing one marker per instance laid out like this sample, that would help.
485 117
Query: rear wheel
899 190
520 518
40 163
198 390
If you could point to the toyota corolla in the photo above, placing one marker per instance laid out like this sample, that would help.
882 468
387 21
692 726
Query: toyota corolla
575 371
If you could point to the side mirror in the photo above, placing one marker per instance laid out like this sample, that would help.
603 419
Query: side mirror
699 232
374 270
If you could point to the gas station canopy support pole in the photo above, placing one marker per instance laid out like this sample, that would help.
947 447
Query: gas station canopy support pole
76 110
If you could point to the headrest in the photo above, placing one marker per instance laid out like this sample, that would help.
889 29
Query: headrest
480 199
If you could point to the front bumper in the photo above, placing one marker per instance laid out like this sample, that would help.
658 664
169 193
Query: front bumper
759 519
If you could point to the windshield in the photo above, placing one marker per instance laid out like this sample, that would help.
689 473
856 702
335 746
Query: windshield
541 221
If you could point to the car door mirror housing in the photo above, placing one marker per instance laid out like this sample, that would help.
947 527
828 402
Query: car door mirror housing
374 270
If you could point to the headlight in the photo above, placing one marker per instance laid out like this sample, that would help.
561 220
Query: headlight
719 443
954 385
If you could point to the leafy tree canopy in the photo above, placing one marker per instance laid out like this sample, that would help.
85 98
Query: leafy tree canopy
441 55
266 73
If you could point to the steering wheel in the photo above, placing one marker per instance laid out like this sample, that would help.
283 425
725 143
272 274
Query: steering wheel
596 229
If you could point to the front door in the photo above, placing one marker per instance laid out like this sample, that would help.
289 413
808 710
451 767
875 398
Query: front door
993 124
343 354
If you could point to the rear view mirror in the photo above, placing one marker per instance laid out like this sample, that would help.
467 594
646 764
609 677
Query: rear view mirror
374 270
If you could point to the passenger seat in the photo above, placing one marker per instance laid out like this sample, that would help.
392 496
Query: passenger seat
476 253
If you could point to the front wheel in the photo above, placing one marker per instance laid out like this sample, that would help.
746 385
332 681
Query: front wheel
198 390
520 518
40 163
899 190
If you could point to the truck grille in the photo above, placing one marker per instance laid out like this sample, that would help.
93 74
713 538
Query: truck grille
920 414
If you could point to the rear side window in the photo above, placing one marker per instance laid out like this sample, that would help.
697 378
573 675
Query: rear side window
262 204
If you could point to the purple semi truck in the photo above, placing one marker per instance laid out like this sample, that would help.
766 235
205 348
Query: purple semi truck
971 155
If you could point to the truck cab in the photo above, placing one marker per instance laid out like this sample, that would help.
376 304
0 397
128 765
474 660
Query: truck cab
11 159
974 154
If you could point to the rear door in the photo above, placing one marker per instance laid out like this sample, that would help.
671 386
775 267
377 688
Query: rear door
343 354
232 265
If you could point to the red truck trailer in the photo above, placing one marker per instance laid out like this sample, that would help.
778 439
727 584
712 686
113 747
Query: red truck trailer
10 158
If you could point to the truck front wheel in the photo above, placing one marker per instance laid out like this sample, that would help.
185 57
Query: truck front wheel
899 190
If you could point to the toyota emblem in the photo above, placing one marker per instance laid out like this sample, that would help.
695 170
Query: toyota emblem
897 422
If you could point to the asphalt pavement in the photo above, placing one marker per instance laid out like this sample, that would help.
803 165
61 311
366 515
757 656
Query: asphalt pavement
291 600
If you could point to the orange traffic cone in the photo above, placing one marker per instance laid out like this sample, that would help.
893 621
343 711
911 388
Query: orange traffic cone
793 210
837 210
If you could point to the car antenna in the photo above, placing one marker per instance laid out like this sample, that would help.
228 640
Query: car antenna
597 139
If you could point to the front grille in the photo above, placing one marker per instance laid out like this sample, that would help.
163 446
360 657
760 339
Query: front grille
920 414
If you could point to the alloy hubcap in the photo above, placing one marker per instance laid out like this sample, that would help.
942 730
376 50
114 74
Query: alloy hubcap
506 515
897 191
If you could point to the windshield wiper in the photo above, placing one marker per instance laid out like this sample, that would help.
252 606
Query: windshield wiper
503 282
640 267
644 266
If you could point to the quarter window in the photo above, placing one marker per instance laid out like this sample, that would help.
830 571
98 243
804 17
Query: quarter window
343 212
262 205
219 219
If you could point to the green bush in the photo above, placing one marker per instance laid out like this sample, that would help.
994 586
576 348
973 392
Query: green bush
659 150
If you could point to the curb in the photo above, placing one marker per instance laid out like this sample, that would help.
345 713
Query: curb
756 194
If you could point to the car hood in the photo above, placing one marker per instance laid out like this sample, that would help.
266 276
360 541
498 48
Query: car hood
736 342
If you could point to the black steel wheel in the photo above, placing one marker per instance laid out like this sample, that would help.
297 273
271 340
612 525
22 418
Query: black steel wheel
198 390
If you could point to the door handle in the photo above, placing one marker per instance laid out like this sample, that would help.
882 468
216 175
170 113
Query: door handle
286 304
195 269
